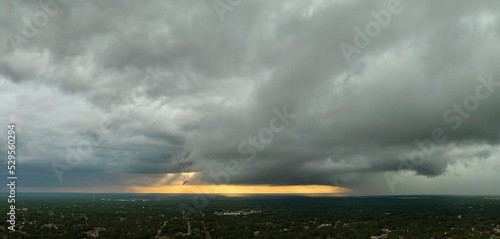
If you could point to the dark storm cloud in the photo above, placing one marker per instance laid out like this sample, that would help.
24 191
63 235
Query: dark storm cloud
209 85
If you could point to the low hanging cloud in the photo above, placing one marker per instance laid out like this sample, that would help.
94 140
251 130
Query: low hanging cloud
123 94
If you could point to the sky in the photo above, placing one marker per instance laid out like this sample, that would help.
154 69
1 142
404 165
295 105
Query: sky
227 96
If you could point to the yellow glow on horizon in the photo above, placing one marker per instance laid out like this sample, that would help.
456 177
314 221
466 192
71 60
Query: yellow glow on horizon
242 189
189 183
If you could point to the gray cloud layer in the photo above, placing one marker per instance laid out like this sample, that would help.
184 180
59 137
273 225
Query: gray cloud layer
221 79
